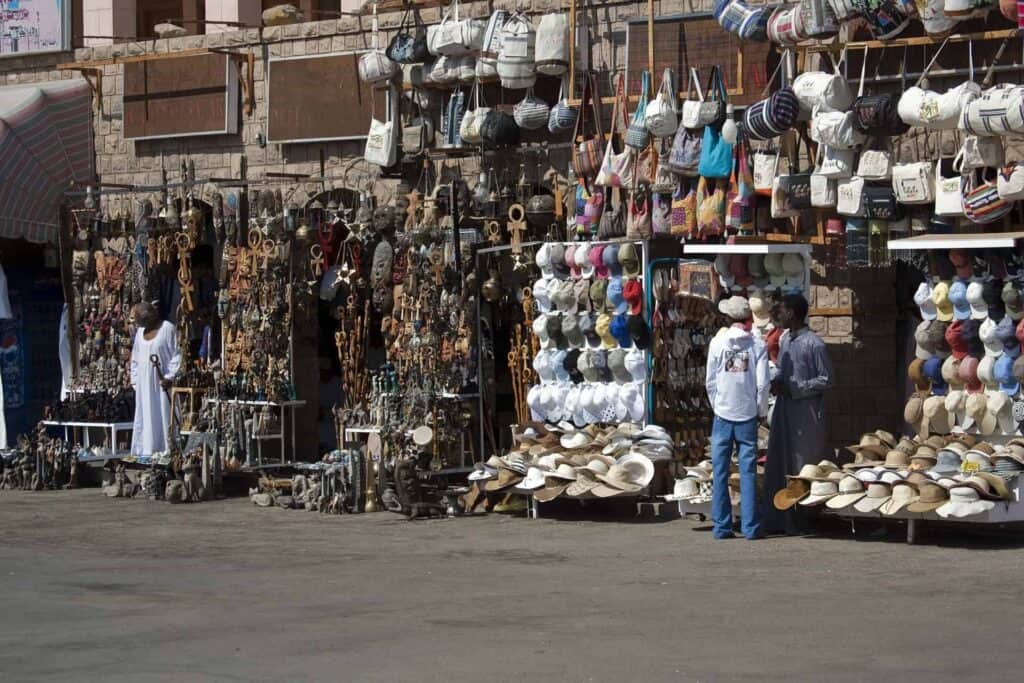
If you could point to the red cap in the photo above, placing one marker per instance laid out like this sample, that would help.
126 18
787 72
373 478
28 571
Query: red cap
969 375
956 342
633 293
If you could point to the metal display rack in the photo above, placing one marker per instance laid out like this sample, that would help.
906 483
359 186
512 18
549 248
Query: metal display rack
283 407
110 428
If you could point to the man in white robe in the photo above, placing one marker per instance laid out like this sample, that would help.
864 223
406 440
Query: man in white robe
154 337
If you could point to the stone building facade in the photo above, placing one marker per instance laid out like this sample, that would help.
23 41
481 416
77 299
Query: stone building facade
855 311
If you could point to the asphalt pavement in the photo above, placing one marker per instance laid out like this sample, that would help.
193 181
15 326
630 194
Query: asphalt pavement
132 590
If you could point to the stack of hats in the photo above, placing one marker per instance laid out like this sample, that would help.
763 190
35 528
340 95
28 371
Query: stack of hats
592 334
742 273
968 368
953 476
561 461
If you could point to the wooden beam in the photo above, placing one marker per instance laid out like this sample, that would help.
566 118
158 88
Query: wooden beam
901 42
96 63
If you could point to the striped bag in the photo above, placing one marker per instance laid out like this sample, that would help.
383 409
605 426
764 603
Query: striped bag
773 116
982 203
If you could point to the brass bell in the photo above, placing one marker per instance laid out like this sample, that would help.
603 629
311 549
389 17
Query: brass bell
491 290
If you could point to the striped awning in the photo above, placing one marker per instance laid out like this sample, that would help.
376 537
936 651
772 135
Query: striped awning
45 144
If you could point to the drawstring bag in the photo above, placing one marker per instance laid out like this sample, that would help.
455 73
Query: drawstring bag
516 66
553 44
487 60
637 135
773 116
532 112
562 116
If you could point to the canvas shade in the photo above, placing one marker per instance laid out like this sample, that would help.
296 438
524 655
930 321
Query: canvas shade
45 145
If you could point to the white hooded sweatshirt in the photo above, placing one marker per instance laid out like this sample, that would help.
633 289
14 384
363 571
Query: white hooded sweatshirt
737 375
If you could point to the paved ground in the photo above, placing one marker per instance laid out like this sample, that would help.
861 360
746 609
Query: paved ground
117 590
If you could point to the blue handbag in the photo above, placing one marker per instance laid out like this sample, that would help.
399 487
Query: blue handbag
715 154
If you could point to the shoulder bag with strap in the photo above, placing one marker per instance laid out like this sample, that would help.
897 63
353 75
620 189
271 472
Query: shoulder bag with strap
588 153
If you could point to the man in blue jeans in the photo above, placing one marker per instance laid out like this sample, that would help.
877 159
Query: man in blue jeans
737 384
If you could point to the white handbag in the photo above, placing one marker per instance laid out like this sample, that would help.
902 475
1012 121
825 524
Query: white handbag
466 69
661 117
374 67
1010 182
996 112
532 112
516 65
473 119
455 36
949 200
835 163
836 129
875 164
381 148
823 192
445 70
850 196
823 91
690 113
764 171
935 111
487 60
914 182
978 152
553 44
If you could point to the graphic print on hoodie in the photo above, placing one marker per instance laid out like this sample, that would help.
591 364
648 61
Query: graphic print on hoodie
737 375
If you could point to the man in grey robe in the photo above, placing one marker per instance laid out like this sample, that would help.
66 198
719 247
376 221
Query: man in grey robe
798 423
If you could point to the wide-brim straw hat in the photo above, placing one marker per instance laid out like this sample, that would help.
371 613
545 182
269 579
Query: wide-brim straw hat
795 491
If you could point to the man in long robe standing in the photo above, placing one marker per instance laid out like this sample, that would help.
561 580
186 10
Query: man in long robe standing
798 422
152 406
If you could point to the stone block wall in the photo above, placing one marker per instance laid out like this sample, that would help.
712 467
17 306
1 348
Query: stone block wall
859 330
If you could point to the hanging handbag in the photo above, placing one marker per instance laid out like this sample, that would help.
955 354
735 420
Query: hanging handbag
499 129
472 121
877 114
417 134
914 182
886 18
836 129
823 187
875 164
1010 182
736 17
850 197
978 152
613 220
617 169
684 211
445 70
455 36
818 19
562 117
532 112
588 154
409 46
465 68
791 192
639 225
516 60
715 154
381 141
835 163
490 46
949 201
684 156
662 119
982 203
451 121
661 213
740 200
786 26
773 115
880 203
689 116
665 179
934 111
823 91
764 172
637 135
712 109
710 210
375 67
553 44
593 210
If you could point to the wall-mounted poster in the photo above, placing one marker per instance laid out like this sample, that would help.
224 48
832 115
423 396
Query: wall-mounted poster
28 26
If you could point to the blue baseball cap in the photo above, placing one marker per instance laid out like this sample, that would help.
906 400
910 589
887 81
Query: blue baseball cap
1003 373
958 297
932 369
615 301
610 257
620 330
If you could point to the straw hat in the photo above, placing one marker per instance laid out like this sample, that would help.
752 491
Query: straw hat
903 494
615 483
821 491
873 443
877 493
808 473
964 501
796 490
931 496
851 489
